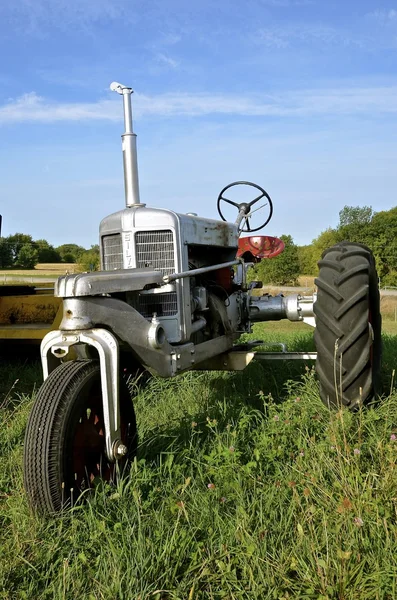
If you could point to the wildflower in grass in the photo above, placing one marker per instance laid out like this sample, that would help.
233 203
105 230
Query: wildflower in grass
231 449
291 484
211 486
332 448
357 521
297 399
222 500
393 437
306 492
301 453
357 452
276 418
194 424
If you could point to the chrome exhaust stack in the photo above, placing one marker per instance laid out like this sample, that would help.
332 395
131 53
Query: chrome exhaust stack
130 162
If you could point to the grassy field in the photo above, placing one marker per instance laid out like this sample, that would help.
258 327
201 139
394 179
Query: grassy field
245 487
41 271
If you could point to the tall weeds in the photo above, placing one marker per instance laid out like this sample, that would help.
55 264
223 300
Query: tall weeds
246 487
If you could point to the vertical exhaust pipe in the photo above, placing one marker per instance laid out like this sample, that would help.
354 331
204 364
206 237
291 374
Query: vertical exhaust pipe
130 162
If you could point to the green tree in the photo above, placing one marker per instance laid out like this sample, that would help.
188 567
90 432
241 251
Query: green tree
307 260
378 231
355 215
283 269
310 255
355 223
70 252
354 226
381 237
325 240
16 241
5 254
27 257
90 260
46 252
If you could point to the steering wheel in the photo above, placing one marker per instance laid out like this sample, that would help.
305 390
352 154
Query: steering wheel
244 208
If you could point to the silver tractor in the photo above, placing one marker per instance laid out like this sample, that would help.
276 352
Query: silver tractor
173 296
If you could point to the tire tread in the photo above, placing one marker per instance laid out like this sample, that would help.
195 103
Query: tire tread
44 437
347 292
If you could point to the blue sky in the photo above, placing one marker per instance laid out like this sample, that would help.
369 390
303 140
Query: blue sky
299 96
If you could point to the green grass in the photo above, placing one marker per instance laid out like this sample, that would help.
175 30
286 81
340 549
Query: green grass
246 487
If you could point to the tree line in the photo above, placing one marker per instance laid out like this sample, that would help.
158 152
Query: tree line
377 230
20 250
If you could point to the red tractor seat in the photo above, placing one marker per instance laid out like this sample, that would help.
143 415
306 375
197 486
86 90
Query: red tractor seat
256 247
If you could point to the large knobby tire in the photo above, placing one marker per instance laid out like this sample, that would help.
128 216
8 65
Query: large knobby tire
64 452
348 326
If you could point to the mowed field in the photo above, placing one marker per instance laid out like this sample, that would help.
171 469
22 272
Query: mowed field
40 271
245 487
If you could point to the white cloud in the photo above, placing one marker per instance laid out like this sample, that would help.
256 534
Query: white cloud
169 39
33 108
334 101
35 17
167 61
273 39
384 15
283 37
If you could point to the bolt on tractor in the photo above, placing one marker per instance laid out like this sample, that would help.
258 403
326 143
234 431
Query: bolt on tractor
173 296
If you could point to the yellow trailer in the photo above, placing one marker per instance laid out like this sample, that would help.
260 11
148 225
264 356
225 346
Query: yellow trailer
27 313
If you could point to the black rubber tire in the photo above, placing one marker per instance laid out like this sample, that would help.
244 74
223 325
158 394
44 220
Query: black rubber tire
348 326
64 451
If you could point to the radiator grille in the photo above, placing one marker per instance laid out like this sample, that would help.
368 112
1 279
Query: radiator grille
165 305
155 249
112 252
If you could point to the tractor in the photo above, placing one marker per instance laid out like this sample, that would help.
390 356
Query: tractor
173 296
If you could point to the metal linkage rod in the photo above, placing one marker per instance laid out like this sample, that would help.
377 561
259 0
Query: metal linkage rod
193 272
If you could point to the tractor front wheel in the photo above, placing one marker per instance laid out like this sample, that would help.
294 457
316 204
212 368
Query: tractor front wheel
64 451
348 326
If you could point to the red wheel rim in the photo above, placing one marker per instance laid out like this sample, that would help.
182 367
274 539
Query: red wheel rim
89 462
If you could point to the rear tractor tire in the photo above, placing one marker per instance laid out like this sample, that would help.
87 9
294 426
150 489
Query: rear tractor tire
348 326
64 452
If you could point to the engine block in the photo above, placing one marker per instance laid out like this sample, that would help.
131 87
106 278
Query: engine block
176 243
